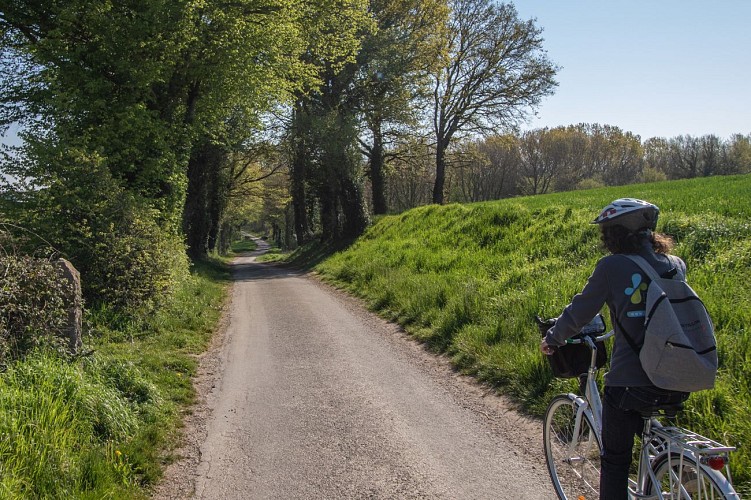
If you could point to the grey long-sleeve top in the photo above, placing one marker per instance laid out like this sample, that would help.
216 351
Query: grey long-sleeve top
618 282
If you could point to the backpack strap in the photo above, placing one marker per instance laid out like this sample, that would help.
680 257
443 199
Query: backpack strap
652 273
645 266
679 265
627 336
680 268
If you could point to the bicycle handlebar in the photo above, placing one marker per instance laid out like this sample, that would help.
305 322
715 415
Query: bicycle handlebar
589 331
581 338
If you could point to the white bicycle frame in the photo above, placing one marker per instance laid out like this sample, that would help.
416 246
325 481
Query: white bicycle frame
670 440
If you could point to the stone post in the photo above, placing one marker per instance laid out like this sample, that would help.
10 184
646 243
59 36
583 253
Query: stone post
74 302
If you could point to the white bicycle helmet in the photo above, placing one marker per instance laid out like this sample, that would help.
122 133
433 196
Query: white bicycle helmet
630 213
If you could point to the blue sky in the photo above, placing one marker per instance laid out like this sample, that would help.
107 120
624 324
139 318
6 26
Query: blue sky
654 68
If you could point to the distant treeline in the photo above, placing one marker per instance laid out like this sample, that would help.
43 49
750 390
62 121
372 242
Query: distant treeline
564 159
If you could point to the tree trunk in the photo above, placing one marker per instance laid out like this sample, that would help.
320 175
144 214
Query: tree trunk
353 207
289 222
377 175
299 163
218 193
329 214
203 173
195 222
440 172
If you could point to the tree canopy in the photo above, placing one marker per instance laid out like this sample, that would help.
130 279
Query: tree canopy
129 104
494 74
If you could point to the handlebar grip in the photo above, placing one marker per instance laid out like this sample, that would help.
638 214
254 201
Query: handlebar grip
544 324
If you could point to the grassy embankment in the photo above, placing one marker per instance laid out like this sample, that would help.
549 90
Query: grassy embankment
93 428
468 279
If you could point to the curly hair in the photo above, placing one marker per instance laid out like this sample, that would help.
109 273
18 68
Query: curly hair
618 239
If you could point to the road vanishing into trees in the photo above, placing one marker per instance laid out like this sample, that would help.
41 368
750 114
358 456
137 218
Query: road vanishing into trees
311 396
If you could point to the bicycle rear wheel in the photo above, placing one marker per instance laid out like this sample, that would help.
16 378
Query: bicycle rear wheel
695 481
573 456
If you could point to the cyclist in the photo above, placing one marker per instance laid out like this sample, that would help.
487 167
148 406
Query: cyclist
627 226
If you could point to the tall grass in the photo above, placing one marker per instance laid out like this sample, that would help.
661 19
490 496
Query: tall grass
96 427
468 279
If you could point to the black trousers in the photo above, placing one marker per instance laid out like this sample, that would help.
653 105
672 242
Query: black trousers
621 421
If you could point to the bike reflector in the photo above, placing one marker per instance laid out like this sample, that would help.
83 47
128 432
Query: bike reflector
716 463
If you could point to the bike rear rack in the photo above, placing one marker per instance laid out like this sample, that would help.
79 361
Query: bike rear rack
679 440
691 441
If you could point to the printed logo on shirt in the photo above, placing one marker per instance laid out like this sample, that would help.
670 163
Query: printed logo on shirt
635 290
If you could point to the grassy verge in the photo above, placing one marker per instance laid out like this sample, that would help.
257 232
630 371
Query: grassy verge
93 428
243 246
467 280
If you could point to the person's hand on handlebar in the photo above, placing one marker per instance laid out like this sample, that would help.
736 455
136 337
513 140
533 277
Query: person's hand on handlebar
546 349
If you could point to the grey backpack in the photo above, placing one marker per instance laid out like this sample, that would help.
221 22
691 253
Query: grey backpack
679 351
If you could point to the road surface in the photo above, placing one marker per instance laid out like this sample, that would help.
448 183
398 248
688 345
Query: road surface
307 395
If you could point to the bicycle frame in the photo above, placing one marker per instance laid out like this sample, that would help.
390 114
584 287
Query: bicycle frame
592 392
656 439
589 405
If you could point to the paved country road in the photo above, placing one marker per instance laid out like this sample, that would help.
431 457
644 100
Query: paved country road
307 395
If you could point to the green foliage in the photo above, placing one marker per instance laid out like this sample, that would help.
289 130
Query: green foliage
651 174
134 265
32 308
127 258
468 279
95 119
95 428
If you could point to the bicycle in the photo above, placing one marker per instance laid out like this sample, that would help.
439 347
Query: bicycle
674 463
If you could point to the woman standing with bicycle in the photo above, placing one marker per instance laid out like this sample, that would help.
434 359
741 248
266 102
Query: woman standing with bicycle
627 226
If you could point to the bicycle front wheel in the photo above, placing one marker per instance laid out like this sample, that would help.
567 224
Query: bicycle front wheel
679 477
572 451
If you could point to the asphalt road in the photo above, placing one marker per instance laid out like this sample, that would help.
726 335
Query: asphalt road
314 397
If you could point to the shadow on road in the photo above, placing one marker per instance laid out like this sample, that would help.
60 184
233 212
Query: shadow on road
258 271
245 268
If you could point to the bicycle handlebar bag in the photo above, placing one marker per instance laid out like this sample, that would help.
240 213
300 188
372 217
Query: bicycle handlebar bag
572 360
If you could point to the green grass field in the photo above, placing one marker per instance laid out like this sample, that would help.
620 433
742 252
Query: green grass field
468 279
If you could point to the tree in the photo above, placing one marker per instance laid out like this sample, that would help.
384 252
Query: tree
737 155
486 169
300 164
576 168
104 167
320 117
685 157
538 171
711 154
626 157
77 88
502 152
494 74
249 56
657 154
393 70
412 175
259 198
